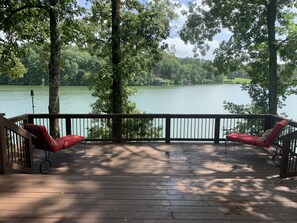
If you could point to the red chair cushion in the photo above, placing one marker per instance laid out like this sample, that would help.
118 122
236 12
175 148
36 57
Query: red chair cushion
44 138
256 140
247 139
67 141
276 130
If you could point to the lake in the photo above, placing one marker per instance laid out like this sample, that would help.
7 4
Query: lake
193 99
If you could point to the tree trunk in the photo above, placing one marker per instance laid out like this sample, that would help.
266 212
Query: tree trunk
54 67
117 85
272 86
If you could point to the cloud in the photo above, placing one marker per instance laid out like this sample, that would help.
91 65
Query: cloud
177 23
186 50
175 42
212 46
181 49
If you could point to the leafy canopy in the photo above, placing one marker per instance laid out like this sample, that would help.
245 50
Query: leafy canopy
143 27
27 21
258 28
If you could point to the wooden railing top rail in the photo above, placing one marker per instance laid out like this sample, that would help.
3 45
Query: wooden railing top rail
19 118
9 124
148 115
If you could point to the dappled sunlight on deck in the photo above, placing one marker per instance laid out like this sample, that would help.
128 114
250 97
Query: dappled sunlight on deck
151 182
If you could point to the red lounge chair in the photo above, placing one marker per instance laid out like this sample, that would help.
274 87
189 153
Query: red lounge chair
264 141
44 141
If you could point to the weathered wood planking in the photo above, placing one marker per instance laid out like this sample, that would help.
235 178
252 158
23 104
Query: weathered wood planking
144 183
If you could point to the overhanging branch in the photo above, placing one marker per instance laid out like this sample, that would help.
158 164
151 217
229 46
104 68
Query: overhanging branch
15 11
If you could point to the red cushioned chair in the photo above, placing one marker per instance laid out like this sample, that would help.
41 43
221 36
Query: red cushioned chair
44 141
264 141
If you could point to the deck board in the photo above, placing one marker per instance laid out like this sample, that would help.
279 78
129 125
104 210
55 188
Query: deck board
153 183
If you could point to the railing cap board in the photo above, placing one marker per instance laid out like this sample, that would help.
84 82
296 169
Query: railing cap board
152 115
19 118
7 123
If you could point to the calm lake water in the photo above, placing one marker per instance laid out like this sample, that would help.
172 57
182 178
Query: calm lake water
197 99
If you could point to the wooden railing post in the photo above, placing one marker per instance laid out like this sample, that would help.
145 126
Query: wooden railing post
68 126
217 130
167 130
117 128
285 159
30 119
269 122
3 158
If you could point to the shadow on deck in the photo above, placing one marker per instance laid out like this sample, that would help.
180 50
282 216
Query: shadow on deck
152 182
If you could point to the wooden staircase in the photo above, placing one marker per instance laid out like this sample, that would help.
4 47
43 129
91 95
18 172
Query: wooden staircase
15 147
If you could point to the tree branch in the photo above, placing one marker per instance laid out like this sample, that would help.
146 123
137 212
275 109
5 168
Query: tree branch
15 11
282 41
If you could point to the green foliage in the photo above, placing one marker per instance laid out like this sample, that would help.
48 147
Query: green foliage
143 27
77 67
247 126
186 71
129 47
12 67
23 22
252 46
141 128
131 128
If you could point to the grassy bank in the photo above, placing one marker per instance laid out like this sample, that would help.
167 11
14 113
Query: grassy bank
237 80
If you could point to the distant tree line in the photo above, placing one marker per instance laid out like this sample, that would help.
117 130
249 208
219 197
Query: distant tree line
78 67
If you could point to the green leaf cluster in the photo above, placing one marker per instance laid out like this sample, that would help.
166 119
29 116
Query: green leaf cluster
27 21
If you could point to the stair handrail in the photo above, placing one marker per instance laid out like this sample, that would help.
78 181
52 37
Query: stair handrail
5 125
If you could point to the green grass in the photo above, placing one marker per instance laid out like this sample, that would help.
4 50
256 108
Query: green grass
237 80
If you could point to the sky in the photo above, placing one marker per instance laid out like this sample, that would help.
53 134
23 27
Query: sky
174 41
182 49
186 50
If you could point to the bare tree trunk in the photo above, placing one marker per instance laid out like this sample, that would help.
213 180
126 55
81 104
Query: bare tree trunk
117 86
272 86
54 67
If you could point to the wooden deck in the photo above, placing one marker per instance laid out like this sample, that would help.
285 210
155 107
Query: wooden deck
151 183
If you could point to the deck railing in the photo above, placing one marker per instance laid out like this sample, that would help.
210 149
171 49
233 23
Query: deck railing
169 128
157 127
